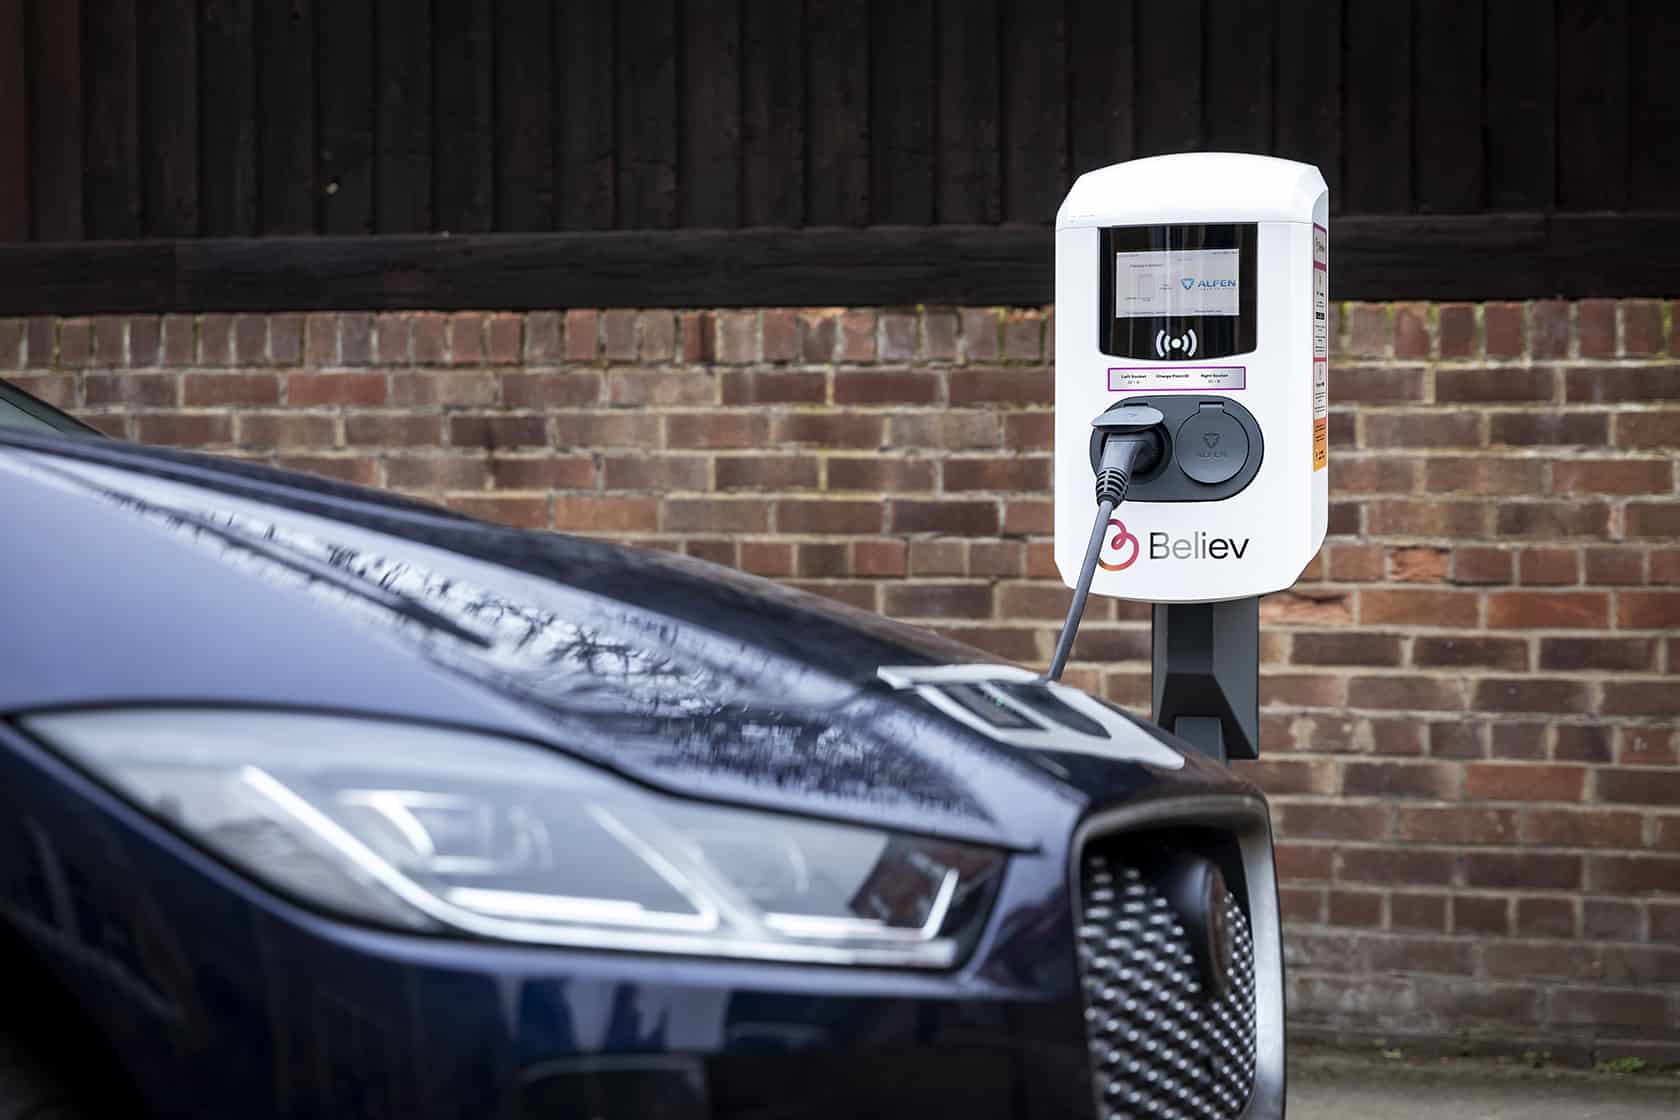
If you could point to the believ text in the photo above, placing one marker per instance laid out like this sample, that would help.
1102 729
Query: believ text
1197 546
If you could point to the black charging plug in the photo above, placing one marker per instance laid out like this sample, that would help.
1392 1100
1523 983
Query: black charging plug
1129 441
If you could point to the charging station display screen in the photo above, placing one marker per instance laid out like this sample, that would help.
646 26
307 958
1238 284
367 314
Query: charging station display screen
1176 283
1183 293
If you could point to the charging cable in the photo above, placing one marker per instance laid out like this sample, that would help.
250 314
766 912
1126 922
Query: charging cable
1132 443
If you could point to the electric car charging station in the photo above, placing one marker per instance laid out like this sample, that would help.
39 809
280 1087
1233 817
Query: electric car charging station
1191 429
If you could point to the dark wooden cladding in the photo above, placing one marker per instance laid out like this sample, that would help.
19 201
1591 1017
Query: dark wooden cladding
1515 256
129 120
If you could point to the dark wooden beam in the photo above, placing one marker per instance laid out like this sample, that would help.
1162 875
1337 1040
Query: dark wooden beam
1460 257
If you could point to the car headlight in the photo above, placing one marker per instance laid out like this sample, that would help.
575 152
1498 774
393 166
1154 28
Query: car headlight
437 830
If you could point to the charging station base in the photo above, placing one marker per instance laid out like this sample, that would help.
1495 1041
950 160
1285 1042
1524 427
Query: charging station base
1205 682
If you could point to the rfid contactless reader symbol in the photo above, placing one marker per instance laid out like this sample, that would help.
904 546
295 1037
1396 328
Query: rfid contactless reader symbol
1121 541
1167 345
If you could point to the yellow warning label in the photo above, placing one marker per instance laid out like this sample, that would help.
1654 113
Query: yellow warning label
1321 348
1321 444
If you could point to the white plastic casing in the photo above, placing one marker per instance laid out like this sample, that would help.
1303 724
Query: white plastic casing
1283 511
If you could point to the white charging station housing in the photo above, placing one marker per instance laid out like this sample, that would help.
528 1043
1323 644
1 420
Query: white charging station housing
1197 283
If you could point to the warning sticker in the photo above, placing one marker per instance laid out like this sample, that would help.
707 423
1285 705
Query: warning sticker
1321 348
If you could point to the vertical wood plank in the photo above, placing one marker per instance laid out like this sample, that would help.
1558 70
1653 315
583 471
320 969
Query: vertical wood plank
14 124
344 93
1377 127
286 115
1654 181
227 119
901 97
586 115
837 112
55 118
1102 63
1170 62
168 34
773 113
647 114
1520 97
1035 126
524 115
1240 43
1592 104
402 162
1307 115
463 170
111 89
970 172
709 171
1447 112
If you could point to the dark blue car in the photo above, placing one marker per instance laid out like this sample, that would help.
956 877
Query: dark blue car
315 802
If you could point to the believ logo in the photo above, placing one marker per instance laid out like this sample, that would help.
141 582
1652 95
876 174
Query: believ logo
1127 550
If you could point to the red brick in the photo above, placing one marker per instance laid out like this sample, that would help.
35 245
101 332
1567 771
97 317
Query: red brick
1595 324
833 429
1552 519
358 469
960 518
938 558
1464 652
938 600
1548 610
222 389
286 430
1613 567
503 345
1356 909
543 338
946 430
1012 474
583 335
566 388
1632 786
1394 865
1496 781
518 512
1409 607
1481 914
766 558
878 558
898 336
1368 329
1652 519
1549 336
1406 693
711 550
1342 648
1357 562
431 338
1529 429
1613 654
1648 610
435 472
723 515
767 472
304 390
1319 609
1022 386
828 516
1616 384
885 386
543 472
1458 825
184 429
393 429
1611 919
1643 1011
595 430
1522 870
664 473
1457 326
879 475
1503 324
618 335
779 336
393 339
1590 828
1541 917
1655 428
1421 429
1536 694
1027 518
716 429
355 339
1537 384
1642 327
1456 739
940 333
1633 874
1549 566
1613 476
659 388
148 390
760 387
600 514
492 431
1435 780
857 336
1578 743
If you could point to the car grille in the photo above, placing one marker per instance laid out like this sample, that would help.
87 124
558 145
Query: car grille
1162 1046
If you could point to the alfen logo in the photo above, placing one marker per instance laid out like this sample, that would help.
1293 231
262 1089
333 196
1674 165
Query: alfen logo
1189 282
1126 549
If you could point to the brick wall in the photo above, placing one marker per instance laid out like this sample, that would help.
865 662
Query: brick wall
1470 699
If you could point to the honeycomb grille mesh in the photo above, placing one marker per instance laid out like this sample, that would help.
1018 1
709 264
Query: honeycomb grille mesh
1161 1045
